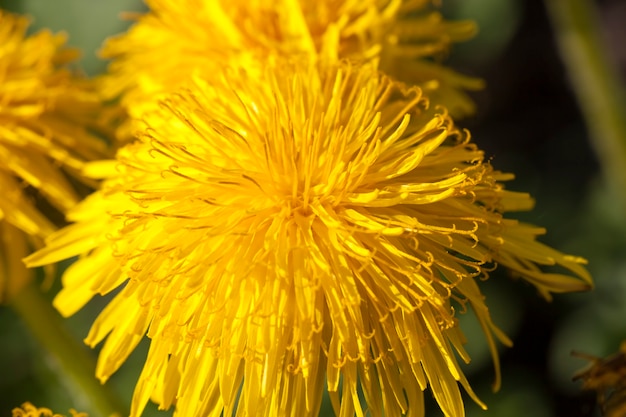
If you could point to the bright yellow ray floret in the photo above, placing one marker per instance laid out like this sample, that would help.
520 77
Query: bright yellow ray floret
314 230
46 114
176 38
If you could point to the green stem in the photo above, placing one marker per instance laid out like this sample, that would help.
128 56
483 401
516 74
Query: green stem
70 360
596 83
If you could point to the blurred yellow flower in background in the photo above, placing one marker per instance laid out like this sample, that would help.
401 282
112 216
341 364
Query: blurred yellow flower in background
29 410
175 39
48 119
310 229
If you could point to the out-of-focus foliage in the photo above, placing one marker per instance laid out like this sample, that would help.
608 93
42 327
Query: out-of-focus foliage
498 22
88 22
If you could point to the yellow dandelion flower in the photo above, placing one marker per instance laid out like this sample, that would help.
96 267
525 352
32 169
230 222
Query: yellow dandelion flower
29 410
175 38
45 113
316 229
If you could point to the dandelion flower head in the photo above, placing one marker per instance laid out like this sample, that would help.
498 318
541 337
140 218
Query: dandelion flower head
174 39
29 410
45 111
312 231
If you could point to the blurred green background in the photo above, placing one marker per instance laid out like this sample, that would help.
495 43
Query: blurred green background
529 123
